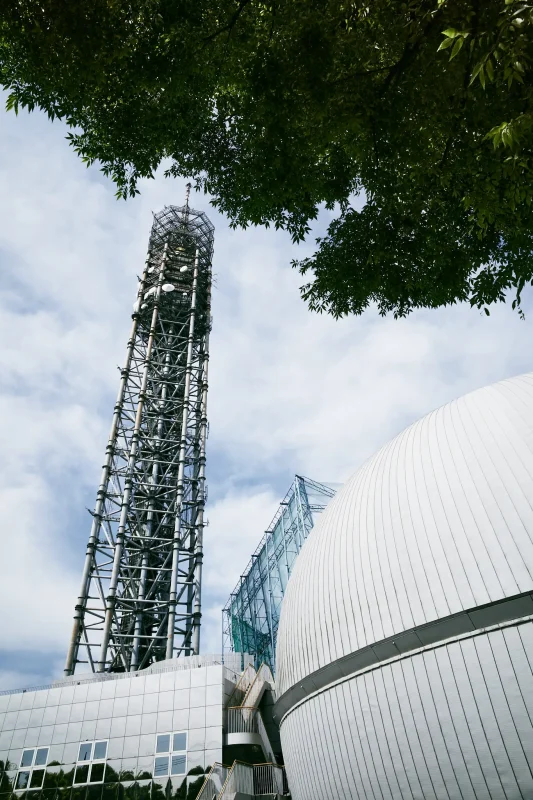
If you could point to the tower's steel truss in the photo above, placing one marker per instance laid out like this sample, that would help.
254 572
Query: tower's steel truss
140 597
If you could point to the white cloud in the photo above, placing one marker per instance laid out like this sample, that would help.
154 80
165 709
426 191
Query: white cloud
10 679
34 590
290 388
236 524
289 391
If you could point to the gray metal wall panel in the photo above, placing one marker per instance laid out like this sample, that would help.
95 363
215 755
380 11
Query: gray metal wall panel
438 521
446 723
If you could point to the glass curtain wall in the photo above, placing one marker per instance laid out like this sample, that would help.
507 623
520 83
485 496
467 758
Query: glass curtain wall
144 737
251 615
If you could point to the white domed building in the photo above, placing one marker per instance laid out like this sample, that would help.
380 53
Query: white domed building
405 647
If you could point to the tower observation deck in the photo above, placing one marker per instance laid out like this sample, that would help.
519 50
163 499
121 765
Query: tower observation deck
140 595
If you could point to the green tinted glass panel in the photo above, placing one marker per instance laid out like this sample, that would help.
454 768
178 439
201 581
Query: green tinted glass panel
94 792
82 774
97 773
194 788
109 791
111 774
144 790
23 779
52 778
64 793
130 792
79 793
158 792
37 778
67 777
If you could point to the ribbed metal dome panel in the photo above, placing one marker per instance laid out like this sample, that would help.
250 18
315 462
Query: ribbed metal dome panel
438 521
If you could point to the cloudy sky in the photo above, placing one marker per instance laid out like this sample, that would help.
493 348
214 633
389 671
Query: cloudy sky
290 391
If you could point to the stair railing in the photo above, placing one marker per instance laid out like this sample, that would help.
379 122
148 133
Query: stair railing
270 779
241 719
265 739
253 779
256 688
240 779
242 686
214 782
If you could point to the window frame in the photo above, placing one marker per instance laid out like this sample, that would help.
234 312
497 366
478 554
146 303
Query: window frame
81 765
26 788
100 762
31 768
85 760
168 754
92 742
89 762
41 770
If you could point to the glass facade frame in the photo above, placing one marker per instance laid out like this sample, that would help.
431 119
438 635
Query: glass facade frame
250 617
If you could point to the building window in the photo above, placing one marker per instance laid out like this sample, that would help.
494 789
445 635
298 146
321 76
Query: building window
91 762
92 751
85 752
31 771
171 758
23 780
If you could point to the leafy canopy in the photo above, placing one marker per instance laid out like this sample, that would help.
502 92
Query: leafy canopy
422 107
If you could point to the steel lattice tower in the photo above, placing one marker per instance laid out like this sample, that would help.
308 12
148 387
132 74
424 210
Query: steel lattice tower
140 596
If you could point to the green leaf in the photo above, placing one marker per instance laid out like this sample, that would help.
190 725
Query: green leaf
12 103
446 43
253 100
476 72
457 46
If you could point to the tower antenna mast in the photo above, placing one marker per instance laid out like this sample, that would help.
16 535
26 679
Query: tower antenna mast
140 595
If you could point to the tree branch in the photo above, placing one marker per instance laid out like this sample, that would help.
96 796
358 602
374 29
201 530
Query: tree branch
410 51
361 74
231 24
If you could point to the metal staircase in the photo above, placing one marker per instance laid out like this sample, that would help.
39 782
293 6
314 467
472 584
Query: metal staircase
245 718
244 781
241 687
255 691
